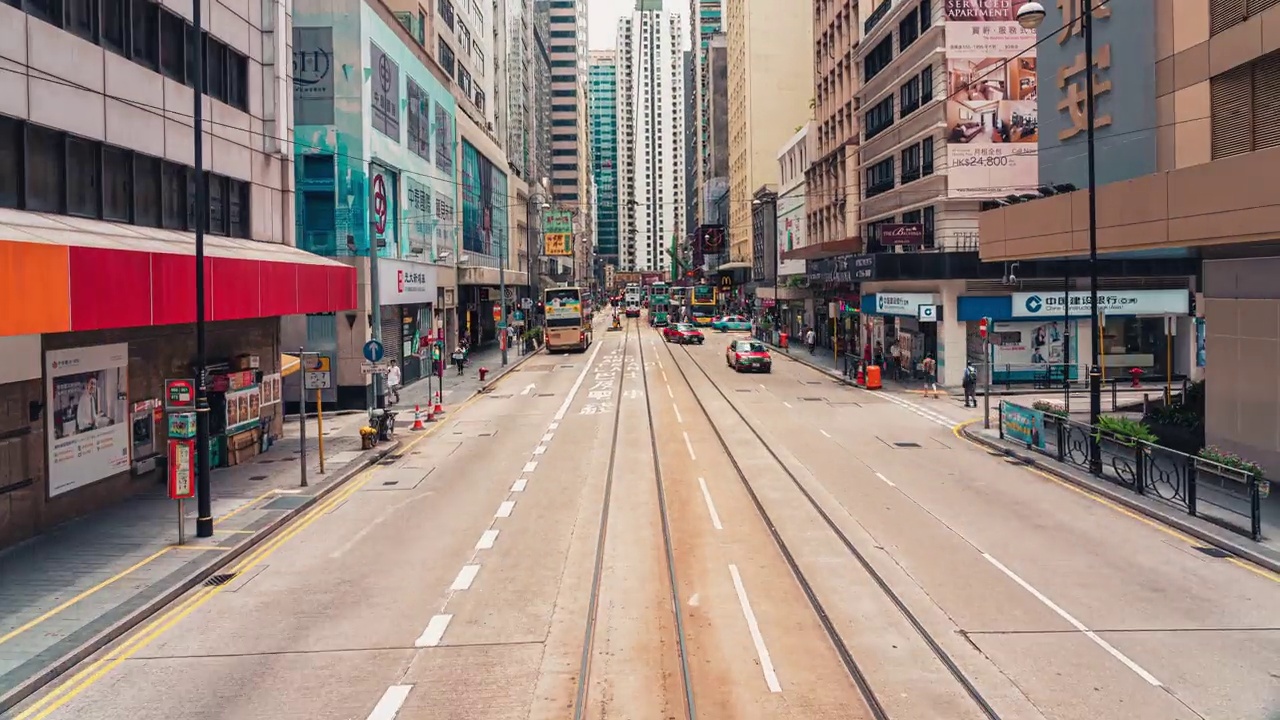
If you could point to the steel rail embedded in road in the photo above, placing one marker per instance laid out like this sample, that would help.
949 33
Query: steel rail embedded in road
846 656
588 642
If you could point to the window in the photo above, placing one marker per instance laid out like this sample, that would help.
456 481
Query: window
46 169
571 92
562 34
879 178
238 208
909 97
445 9
216 187
82 18
173 46
908 30
11 163
480 100
418 111
173 179
446 57
926 84
879 118
926 218
562 49
84 196
910 164
117 184
49 11
563 79
114 19
422 28
147 198
215 68
144 47
464 80
237 94
1245 108
926 15
878 59
926 156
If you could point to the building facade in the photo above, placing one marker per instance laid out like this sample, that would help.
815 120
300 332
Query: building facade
97 267
788 299
766 105
833 178
567 49
651 145
1195 90
541 73
706 21
602 100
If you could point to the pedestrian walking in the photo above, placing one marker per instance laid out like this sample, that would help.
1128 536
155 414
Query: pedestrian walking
970 387
811 339
393 384
930 367
460 358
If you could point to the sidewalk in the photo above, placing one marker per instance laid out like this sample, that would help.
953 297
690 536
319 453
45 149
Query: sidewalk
1265 553
70 591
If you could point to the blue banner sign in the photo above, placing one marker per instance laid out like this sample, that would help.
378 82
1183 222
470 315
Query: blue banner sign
1022 424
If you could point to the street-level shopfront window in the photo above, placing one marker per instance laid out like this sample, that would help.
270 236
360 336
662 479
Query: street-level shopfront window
1134 342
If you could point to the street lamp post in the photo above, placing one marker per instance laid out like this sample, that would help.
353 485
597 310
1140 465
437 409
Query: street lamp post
1030 16
204 471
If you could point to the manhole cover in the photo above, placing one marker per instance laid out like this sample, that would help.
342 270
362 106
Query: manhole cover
220 580
1214 552
391 482
906 445
256 478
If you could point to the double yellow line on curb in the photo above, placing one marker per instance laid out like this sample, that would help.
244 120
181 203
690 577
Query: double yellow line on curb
86 678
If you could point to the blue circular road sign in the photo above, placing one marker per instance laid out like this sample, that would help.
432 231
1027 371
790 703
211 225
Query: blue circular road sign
373 351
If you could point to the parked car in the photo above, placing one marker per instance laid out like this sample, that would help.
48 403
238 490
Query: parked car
682 334
731 322
748 355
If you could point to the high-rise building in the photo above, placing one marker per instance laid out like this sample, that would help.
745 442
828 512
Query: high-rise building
766 104
541 79
650 137
567 48
833 178
602 104
515 117
460 33
706 20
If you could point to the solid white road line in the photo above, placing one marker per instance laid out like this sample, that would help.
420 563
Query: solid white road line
689 445
547 438
824 432
519 485
531 466
466 576
886 480
1075 623
504 510
711 507
540 450
564 407
487 539
679 419
766 664
434 633
389 705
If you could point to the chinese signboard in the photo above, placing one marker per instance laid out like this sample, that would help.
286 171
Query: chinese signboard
992 116
406 283
419 217
557 232
384 93
1124 302
1123 90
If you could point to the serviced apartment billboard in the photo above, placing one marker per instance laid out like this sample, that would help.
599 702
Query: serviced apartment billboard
992 120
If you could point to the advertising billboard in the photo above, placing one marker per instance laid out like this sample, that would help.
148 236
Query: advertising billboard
88 396
557 233
992 117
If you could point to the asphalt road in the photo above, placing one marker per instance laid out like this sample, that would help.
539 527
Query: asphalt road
640 532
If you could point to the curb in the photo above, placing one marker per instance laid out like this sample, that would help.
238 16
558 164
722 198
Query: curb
505 372
51 672
1130 503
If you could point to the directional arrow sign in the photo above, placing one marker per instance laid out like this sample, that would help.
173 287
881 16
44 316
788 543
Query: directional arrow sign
528 389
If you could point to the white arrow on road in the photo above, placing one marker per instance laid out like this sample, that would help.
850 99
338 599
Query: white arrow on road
528 389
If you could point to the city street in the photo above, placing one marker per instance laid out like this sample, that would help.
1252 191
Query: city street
638 531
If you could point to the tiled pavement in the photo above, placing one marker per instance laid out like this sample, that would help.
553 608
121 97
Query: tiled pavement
65 591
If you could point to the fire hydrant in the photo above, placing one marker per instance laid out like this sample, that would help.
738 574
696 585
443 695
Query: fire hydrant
483 371
1136 374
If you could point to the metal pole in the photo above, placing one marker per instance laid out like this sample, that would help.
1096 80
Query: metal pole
375 303
204 468
320 429
988 356
302 417
1095 373
1066 336
182 521
502 296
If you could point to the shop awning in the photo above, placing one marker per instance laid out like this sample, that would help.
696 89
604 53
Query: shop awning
817 251
65 274
289 364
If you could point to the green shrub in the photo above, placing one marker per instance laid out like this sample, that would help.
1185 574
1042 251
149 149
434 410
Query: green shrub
1123 428
1174 415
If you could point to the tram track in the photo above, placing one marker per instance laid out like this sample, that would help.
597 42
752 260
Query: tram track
849 662
582 694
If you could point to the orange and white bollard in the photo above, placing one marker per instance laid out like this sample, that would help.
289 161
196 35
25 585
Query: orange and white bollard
438 410
417 419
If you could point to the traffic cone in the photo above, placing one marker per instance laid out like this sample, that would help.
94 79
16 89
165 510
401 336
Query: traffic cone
437 397
438 410
417 419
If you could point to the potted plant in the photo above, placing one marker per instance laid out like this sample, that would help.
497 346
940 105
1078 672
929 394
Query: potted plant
1049 407
1123 432
1230 466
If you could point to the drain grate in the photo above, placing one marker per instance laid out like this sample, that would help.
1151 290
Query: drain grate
546 394
811 382
906 445
257 478
813 399
500 397
745 390
220 579
1214 552
390 482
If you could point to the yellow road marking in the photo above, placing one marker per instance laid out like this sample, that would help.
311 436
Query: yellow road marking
246 506
81 681
1172 532
200 548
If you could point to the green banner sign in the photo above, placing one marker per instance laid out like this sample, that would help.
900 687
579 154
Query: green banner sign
557 221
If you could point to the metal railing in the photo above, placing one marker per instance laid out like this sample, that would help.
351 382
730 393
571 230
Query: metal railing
1211 491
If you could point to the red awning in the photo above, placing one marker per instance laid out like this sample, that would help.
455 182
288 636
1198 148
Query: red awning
94 275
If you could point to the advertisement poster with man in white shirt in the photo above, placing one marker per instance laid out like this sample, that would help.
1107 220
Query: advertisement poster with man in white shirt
88 401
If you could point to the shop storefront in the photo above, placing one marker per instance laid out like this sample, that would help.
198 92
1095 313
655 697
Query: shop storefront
1033 338
908 321
408 293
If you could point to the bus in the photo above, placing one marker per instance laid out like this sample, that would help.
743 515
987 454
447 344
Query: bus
568 319
659 304
702 306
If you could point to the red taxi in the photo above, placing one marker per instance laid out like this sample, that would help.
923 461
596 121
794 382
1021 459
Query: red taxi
745 355
682 334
